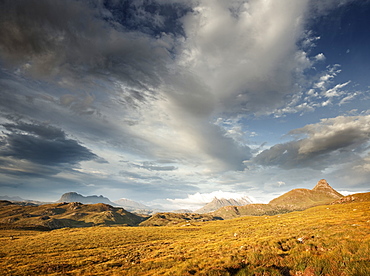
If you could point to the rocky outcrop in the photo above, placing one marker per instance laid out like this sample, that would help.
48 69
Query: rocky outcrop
324 187
360 197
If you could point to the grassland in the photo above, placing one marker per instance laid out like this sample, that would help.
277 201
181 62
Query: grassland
324 240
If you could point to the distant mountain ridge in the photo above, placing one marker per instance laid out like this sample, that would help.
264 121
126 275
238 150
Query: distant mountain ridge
217 203
76 197
21 201
294 200
131 205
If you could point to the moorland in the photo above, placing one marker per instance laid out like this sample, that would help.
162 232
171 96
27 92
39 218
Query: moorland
323 240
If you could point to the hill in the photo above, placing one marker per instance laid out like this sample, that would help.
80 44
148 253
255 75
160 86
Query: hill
328 240
177 219
360 197
294 200
301 199
229 212
75 197
217 203
59 215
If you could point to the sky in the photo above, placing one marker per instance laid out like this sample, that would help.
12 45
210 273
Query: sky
172 102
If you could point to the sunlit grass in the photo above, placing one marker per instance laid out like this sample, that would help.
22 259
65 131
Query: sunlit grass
325 240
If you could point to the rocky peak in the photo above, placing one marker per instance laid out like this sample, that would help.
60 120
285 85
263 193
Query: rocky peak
217 203
75 197
323 186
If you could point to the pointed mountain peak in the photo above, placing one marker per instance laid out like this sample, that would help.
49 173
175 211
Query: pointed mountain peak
324 186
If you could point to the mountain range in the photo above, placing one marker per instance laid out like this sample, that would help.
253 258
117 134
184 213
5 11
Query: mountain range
294 200
71 212
217 203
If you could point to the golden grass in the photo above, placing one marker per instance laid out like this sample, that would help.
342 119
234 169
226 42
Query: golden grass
325 240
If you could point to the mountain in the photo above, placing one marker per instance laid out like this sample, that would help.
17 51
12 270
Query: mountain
75 197
21 201
300 199
60 215
131 205
294 200
11 198
217 203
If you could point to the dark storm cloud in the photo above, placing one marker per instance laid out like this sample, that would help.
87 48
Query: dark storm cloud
42 144
332 141
72 43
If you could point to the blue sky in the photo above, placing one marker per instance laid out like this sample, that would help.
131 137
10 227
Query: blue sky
172 102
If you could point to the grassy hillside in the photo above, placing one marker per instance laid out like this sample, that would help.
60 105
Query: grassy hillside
176 219
361 197
300 199
325 240
294 200
59 215
229 212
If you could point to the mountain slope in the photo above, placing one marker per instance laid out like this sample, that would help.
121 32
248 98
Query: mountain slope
217 203
75 197
300 199
294 200
59 215
176 219
360 197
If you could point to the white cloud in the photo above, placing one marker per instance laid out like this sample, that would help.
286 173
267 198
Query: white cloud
328 143
247 56
336 90
320 57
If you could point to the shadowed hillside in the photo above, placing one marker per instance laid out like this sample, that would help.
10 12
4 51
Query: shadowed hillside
177 219
59 215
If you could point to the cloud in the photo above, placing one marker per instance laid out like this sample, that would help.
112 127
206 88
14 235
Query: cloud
331 141
250 68
42 144
74 46
175 80
151 166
